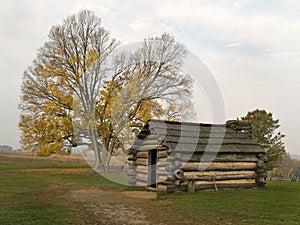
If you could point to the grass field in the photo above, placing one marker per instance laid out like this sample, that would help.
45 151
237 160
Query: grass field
279 203
33 191
30 189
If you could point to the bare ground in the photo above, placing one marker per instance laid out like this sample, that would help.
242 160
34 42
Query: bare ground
106 207
97 206
28 157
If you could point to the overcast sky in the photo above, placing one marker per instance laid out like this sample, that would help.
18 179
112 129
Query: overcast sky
252 48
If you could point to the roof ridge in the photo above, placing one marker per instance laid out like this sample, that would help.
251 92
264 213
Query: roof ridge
187 123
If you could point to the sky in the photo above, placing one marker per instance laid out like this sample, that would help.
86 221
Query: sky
251 48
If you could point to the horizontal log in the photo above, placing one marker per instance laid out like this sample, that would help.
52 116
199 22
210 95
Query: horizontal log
184 187
131 173
159 172
177 164
218 177
162 172
162 177
132 169
172 188
171 167
153 189
162 155
171 178
161 187
170 158
141 176
162 159
131 158
235 177
219 164
143 167
142 179
225 148
251 185
214 173
140 162
196 159
146 147
161 164
198 187
218 168
177 156
166 182
239 181
142 171
170 151
204 140
141 183
142 155
148 141
220 154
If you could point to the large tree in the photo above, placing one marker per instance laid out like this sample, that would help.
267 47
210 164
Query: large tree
264 131
151 85
78 85
69 67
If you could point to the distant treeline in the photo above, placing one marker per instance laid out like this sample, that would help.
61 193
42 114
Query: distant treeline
288 168
295 156
6 148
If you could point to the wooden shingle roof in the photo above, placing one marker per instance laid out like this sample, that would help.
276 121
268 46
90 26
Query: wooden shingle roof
194 137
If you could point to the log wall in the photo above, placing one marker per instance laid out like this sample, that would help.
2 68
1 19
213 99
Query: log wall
182 172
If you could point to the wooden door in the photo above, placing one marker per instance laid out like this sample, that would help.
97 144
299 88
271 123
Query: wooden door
152 168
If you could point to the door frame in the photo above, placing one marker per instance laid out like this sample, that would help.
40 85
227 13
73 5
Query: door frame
152 168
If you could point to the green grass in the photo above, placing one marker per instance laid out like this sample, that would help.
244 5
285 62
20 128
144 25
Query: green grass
13 166
35 213
279 203
28 192
24 201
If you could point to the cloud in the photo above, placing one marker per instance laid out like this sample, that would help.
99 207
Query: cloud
229 23
280 54
233 45
251 47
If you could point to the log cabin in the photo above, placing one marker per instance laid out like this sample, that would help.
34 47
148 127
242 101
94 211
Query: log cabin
188 157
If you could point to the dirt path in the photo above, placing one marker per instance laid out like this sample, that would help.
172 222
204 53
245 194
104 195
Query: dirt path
95 205
98 206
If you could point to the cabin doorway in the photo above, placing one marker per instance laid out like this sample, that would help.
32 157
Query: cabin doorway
152 168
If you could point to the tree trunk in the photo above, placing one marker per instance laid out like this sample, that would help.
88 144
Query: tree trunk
108 160
96 148
105 156
108 154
